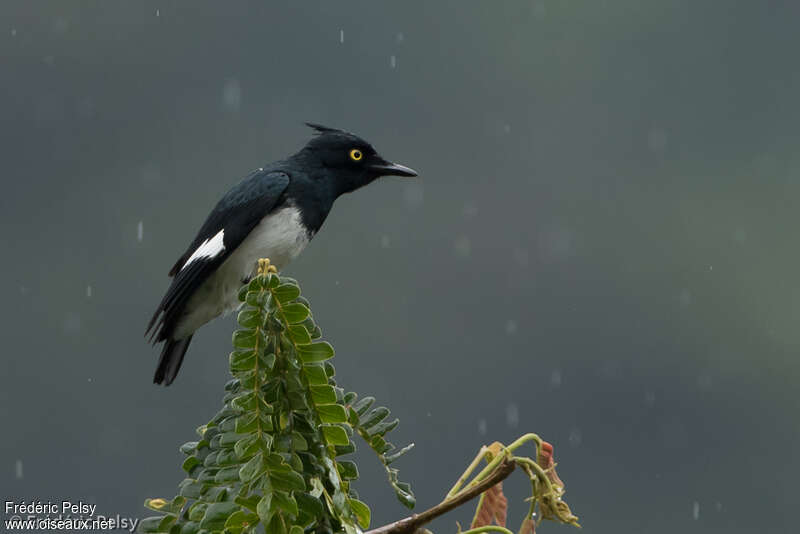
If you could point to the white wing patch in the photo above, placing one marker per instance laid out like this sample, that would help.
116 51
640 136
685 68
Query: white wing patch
210 248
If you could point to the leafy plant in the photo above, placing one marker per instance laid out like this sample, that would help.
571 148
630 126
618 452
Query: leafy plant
271 459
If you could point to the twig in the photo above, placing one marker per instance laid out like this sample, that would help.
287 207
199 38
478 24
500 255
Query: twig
410 524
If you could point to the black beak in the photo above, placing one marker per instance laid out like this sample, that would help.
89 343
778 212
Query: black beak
387 168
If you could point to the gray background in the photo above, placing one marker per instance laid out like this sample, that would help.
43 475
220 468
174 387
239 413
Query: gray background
602 247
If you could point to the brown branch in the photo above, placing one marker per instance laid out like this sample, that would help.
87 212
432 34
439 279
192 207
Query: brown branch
410 524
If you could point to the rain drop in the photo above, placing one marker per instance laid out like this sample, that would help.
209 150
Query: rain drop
341 36
18 469
463 246
232 95
512 415
393 62
89 292
575 437
482 427
385 241
140 231
696 510
555 378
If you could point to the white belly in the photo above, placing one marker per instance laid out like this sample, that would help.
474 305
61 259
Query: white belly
279 236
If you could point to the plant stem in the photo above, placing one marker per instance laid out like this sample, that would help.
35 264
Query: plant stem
410 524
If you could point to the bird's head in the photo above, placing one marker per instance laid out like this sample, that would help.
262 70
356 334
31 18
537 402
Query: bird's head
350 161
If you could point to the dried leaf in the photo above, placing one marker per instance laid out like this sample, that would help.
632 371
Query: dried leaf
492 507
528 526
546 462
551 505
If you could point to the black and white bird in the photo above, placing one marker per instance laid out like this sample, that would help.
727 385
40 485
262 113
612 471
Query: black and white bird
273 213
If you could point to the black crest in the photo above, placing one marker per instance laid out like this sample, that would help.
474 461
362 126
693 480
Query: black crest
323 129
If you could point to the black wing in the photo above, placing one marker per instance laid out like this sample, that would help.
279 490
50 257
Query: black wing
237 213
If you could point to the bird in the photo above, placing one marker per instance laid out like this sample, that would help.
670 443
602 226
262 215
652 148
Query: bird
272 213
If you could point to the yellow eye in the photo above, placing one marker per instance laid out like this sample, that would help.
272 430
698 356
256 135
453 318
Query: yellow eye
356 154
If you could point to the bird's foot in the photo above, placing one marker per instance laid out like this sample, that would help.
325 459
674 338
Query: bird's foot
265 267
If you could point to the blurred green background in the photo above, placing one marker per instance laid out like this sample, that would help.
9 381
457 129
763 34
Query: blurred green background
601 248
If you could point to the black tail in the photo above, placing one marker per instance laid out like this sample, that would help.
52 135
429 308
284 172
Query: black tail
171 359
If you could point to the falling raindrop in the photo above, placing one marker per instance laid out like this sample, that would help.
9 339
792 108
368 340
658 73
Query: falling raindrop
341 36
400 37
18 469
232 95
575 437
72 323
512 415
13 32
393 61
385 241
140 231
463 246
158 12
511 327
555 378
696 510
414 195
482 427
88 291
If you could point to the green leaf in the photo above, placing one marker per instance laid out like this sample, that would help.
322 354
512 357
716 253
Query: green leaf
347 469
254 467
240 520
246 423
388 459
189 447
286 293
227 475
323 395
295 312
299 334
242 360
309 505
287 481
332 413
191 489
156 524
375 416
316 352
264 508
190 463
315 374
250 318
335 435
363 405
285 502
362 513
217 514
249 445
248 339
382 428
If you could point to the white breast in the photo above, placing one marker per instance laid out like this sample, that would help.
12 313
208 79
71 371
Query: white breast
280 236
